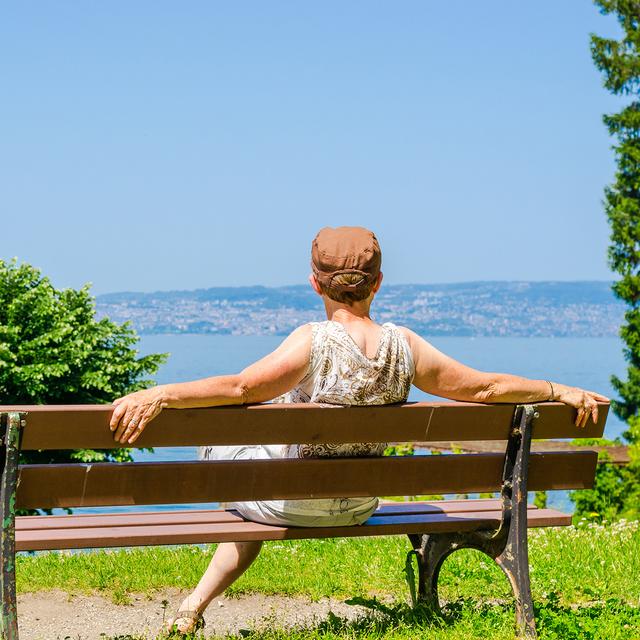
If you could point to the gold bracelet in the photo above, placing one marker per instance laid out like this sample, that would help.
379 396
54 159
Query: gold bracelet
551 397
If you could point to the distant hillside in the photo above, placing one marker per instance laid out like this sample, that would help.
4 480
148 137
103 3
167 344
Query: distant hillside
460 309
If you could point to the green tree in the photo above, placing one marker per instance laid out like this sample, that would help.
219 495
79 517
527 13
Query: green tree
617 490
54 351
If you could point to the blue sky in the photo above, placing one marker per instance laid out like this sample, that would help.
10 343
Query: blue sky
164 145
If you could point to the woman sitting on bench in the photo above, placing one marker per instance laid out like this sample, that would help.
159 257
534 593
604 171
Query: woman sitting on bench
346 360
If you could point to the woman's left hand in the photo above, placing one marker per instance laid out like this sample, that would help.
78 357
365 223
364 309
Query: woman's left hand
586 402
133 413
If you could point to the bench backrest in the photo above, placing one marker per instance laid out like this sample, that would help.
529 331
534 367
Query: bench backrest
111 484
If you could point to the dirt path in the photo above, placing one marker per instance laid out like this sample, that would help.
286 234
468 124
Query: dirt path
54 615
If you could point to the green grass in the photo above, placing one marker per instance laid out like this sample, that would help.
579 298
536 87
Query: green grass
585 582
464 620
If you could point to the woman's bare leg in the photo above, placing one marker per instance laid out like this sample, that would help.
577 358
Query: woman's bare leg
229 562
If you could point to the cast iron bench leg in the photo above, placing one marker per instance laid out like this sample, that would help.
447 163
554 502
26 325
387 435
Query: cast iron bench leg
10 430
507 545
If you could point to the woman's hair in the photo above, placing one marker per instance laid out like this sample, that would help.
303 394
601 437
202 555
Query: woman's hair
348 297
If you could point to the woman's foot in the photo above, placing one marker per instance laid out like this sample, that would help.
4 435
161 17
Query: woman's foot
184 623
229 562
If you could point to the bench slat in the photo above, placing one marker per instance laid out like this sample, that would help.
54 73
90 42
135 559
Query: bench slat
86 426
195 516
111 484
238 531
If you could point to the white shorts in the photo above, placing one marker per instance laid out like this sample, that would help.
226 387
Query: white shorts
316 512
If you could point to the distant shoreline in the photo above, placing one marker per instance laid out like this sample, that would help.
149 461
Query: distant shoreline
481 308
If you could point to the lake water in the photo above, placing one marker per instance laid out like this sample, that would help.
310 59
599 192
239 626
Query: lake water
583 362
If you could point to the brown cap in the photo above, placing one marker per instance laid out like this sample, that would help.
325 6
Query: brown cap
345 250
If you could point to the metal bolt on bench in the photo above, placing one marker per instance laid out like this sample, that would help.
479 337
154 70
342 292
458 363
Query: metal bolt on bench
435 528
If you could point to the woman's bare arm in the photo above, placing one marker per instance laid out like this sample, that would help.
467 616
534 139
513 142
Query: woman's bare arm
440 375
265 379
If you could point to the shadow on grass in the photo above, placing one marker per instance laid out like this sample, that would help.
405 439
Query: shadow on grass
464 618
612 618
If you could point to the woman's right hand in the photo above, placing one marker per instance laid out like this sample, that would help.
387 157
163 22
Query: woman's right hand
586 402
133 413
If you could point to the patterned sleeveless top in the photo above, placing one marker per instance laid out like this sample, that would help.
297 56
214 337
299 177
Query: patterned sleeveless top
341 374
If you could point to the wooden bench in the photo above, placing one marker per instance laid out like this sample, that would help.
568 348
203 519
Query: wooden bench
435 529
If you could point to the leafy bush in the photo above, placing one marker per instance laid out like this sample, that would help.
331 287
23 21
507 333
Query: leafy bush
54 351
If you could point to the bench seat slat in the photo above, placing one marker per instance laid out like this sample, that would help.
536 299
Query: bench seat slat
198 516
111 484
86 426
241 530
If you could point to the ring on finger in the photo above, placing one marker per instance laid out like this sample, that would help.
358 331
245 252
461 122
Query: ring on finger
130 427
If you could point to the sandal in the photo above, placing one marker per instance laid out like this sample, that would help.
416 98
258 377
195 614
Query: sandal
184 623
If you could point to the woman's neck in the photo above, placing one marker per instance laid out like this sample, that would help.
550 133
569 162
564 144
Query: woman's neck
346 313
